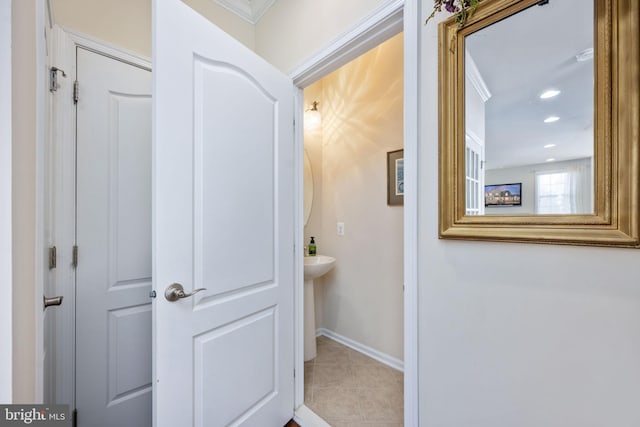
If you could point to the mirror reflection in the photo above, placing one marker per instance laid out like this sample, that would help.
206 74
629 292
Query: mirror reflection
529 112
308 188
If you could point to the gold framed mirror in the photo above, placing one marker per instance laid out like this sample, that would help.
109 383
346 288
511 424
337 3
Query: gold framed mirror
597 200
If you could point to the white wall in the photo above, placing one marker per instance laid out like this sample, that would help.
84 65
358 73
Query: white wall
292 30
124 23
127 23
362 108
23 197
474 111
514 334
6 282
527 176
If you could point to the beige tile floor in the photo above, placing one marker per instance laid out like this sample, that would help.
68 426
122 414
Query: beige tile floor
347 388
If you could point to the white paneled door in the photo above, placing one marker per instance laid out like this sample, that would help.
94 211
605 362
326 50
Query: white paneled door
113 235
223 221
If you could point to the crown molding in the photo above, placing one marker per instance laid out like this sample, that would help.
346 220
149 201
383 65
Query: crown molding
474 75
249 10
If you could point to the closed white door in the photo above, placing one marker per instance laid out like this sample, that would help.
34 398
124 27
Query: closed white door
224 221
113 235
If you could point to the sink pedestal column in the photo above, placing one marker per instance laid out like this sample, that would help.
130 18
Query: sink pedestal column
314 267
309 322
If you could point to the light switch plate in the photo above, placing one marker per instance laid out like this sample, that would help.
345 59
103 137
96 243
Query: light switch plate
340 228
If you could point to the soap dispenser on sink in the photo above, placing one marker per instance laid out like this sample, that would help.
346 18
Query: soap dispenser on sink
312 247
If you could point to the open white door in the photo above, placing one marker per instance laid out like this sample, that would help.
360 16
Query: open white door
223 220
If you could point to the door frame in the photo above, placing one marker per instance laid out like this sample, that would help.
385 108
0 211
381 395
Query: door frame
6 276
61 212
34 370
391 18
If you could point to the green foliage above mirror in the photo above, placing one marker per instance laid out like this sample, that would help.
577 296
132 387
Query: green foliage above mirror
461 9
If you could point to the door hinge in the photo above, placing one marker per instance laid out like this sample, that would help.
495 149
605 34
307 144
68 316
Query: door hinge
74 418
75 256
53 78
76 91
52 258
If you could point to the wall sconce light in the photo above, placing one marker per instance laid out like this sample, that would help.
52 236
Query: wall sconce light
312 116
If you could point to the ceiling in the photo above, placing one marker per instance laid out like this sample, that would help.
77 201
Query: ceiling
249 10
519 58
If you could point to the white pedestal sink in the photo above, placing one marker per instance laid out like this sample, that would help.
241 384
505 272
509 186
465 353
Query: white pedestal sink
314 267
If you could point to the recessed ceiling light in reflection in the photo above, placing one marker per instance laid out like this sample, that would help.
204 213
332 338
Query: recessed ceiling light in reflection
550 160
549 145
585 55
551 119
549 94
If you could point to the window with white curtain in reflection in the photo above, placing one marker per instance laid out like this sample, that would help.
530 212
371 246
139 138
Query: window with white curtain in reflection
553 193
564 191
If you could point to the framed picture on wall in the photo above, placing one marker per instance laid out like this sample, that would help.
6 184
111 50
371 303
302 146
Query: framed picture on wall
395 177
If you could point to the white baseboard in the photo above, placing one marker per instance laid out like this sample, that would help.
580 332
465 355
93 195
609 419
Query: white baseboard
366 350
307 418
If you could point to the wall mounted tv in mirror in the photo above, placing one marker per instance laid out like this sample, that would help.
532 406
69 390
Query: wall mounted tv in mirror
542 93
503 195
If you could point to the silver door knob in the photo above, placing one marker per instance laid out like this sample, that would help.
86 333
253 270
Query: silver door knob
48 302
175 291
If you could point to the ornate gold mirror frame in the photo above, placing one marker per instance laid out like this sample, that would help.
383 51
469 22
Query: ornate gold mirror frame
616 218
